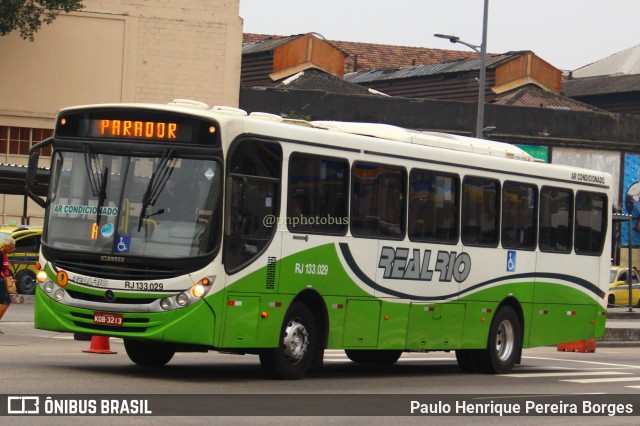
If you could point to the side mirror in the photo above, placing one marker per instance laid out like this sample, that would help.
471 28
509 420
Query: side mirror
34 157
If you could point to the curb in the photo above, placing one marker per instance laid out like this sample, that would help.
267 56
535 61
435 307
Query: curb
22 299
623 315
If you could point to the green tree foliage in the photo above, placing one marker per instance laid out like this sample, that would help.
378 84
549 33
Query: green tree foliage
28 15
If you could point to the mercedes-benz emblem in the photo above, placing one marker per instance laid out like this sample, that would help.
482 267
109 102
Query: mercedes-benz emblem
109 296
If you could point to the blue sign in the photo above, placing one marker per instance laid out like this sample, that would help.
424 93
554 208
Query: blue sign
511 261
123 245
107 230
631 200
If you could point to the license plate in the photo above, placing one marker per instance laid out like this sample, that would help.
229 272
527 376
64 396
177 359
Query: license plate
104 318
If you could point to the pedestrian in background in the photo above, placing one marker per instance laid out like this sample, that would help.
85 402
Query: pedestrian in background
8 246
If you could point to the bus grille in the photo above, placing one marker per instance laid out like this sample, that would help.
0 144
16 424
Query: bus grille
117 272
100 298
110 328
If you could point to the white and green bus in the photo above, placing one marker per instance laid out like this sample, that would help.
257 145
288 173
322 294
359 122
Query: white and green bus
181 227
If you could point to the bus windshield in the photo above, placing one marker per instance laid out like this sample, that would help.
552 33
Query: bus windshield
161 206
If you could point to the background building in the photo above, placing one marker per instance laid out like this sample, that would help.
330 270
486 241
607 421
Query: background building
113 51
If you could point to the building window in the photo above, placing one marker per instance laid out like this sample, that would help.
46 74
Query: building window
18 140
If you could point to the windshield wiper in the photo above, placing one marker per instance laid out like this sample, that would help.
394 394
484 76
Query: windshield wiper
97 182
102 195
94 179
157 181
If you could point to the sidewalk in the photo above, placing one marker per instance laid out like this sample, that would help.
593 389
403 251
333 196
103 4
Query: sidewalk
622 329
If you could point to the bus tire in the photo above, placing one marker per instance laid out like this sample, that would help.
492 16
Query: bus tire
468 359
148 354
297 344
385 357
26 281
504 344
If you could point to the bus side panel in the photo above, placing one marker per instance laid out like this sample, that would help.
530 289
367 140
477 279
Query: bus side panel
552 324
312 261
362 324
336 309
436 326
241 321
393 325
565 306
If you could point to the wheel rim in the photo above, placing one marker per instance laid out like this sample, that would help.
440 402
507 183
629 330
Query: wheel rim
26 283
296 342
505 340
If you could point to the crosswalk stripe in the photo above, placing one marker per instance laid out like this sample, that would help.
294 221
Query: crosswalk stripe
606 380
564 374
401 360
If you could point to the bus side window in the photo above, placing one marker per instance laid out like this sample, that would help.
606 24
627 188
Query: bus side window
480 211
316 200
378 201
433 207
519 203
253 198
591 223
556 213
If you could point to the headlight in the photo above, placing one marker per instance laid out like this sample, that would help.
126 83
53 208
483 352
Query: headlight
59 294
165 303
197 290
41 276
182 299
48 286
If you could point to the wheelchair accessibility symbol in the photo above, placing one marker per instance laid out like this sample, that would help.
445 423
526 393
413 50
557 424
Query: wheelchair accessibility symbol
511 261
123 244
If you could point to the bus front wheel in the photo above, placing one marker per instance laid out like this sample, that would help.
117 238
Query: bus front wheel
298 336
504 345
148 354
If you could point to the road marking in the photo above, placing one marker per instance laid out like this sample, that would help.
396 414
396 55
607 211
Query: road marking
564 374
583 362
401 360
608 380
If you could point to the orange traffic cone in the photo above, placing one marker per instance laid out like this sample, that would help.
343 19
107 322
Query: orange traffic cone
584 346
99 345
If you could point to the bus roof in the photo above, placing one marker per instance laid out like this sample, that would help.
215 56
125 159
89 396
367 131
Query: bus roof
376 130
434 139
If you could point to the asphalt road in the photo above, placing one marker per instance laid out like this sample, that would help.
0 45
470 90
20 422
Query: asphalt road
37 362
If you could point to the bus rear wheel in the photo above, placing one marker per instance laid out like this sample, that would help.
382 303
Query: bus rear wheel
504 345
298 343
385 357
148 354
